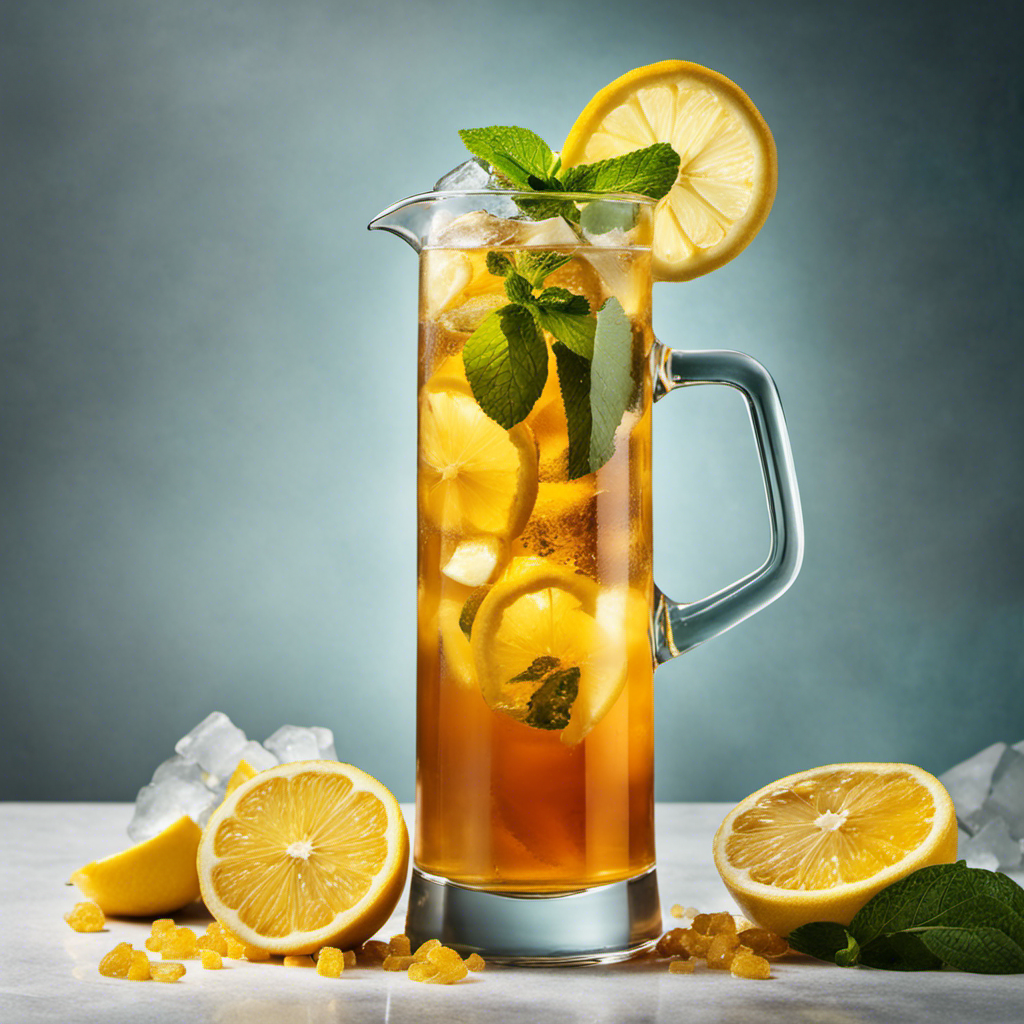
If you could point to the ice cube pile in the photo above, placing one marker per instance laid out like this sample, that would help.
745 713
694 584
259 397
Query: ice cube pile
194 780
988 793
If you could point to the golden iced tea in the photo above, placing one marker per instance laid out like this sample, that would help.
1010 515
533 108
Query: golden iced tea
535 747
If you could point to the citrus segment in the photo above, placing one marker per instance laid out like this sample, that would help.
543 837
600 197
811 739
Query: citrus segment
303 855
816 846
152 877
537 637
728 167
242 773
477 477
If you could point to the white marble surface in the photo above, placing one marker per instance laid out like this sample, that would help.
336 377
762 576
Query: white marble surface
48 972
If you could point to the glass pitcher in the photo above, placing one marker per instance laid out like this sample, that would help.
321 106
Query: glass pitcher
539 623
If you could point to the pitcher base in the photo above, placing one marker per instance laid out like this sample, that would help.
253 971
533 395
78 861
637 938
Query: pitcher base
587 926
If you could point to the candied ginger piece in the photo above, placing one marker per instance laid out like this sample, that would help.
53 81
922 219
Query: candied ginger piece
161 925
299 961
421 970
235 949
330 962
254 954
116 963
397 963
210 959
693 942
475 962
679 966
449 964
764 942
216 943
671 944
721 951
400 945
166 972
677 911
153 943
425 948
350 958
750 965
179 944
374 951
139 969
722 923
86 917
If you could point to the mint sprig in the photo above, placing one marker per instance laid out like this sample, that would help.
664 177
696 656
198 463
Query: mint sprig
525 161
946 915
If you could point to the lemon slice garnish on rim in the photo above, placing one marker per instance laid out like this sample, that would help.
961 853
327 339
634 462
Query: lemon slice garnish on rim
728 167
304 855
817 845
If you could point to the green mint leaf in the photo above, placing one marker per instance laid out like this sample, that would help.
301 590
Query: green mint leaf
611 379
551 704
537 669
575 330
516 153
506 364
538 264
825 940
574 384
545 206
498 264
902 951
468 614
982 950
564 301
518 289
651 171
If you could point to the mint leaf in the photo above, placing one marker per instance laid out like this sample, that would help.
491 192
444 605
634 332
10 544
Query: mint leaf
574 383
506 364
575 330
498 264
564 301
468 614
902 951
551 704
825 940
538 264
517 153
651 171
982 950
611 379
518 289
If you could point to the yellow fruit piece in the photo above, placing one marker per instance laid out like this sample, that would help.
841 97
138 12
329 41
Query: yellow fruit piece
151 877
116 963
477 478
330 962
458 655
475 962
243 773
422 971
304 855
399 945
166 972
475 561
299 961
210 959
817 845
179 944
139 969
86 917
541 610
728 167
235 949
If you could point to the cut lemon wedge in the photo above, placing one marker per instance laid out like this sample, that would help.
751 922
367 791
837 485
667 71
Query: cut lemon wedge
728 169
152 877
304 855
476 477
816 846
541 653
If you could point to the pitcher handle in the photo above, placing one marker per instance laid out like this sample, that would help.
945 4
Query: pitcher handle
678 627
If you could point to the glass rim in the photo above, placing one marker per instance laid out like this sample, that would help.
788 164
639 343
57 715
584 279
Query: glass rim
633 198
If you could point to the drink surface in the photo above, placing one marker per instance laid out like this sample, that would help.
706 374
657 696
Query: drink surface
534 705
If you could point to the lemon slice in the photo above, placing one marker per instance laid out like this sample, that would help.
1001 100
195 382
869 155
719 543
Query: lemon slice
455 646
242 773
537 637
304 855
816 846
475 476
153 877
728 169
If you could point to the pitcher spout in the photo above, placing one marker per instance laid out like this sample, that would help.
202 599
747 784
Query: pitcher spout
410 219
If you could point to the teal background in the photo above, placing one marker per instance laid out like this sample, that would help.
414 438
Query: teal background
207 388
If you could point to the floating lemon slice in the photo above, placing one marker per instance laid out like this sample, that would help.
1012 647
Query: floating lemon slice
816 846
476 477
544 653
728 169
304 855
152 877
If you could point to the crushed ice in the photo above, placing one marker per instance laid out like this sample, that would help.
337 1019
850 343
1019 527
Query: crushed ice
988 793
193 781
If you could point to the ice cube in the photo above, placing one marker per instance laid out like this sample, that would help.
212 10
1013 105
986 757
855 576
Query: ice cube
293 743
470 176
256 756
478 229
324 742
550 231
161 804
1006 797
992 847
968 782
178 767
214 744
